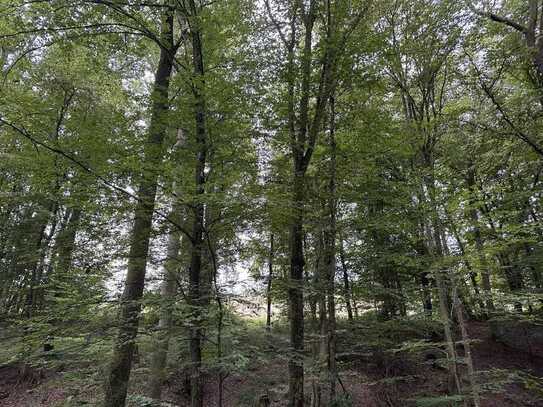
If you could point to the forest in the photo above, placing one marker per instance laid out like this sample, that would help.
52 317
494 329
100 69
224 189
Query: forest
264 203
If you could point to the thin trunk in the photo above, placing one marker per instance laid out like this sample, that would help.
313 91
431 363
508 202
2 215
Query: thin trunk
346 283
220 319
449 339
66 241
121 363
168 290
38 262
435 239
475 392
303 136
269 285
330 235
479 245
296 295
321 330
471 272
425 283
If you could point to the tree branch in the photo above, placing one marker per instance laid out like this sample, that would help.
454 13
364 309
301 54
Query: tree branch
90 171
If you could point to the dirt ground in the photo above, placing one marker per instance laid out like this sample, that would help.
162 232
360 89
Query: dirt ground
504 376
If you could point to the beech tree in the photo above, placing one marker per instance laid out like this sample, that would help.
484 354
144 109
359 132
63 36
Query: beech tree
281 202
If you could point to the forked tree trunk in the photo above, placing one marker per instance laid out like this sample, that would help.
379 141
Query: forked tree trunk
304 131
121 363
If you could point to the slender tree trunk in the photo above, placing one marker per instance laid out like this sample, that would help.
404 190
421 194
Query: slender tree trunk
66 241
475 392
320 353
472 273
195 300
121 363
330 239
479 246
424 275
304 132
426 293
269 285
296 295
434 236
47 218
168 290
220 319
449 338
346 283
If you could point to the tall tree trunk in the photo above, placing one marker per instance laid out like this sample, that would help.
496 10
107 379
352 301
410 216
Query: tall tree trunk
424 275
475 392
196 383
304 131
295 294
121 363
449 338
330 239
440 274
320 347
168 289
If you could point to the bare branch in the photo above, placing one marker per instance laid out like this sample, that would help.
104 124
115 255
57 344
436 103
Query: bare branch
499 19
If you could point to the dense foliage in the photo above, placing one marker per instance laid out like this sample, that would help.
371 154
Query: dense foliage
172 170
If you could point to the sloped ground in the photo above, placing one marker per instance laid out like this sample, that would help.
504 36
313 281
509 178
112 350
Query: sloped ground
371 376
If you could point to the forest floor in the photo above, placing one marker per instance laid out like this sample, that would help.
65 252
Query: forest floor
371 374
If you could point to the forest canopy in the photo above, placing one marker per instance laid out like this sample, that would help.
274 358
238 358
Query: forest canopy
271 203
